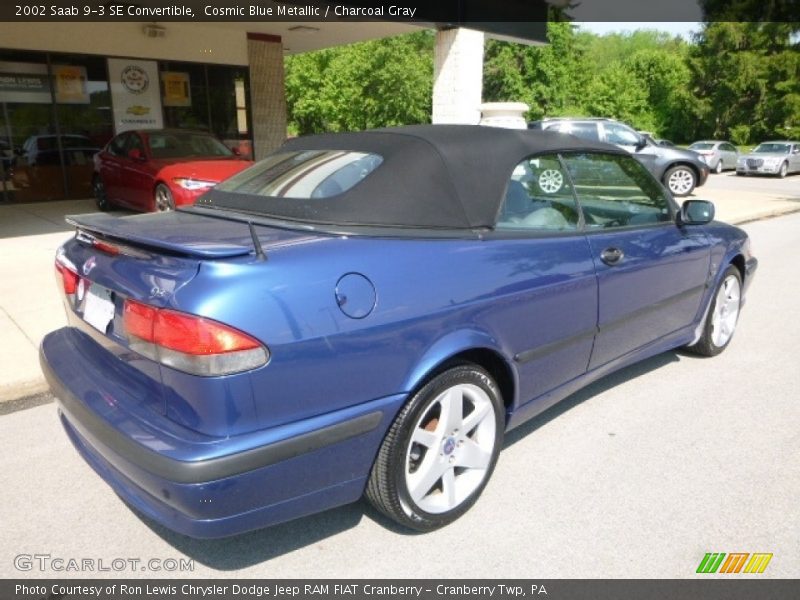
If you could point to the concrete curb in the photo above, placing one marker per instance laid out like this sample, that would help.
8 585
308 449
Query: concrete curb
22 389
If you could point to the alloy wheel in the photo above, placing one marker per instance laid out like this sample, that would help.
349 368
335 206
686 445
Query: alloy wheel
726 311
451 448
550 181
681 182
163 199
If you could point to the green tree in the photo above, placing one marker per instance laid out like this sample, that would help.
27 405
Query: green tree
551 79
747 79
371 84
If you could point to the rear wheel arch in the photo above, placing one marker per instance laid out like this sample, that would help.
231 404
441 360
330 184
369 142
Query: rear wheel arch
489 359
493 363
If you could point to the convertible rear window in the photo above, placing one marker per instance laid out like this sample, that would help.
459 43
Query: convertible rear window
304 175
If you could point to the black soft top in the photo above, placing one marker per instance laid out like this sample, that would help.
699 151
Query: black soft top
432 176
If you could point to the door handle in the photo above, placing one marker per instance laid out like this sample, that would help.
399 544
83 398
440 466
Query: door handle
611 256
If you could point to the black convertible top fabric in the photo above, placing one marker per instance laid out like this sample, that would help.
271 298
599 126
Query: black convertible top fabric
432 176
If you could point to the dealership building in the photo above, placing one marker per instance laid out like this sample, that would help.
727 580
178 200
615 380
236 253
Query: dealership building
67 87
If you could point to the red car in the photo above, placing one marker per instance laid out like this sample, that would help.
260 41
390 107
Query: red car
159 169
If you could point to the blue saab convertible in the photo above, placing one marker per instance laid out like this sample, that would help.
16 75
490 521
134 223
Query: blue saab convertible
368 314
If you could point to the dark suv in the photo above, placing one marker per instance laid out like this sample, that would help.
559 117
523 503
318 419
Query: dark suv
679 170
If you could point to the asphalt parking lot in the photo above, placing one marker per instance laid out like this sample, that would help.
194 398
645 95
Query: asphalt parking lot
638 475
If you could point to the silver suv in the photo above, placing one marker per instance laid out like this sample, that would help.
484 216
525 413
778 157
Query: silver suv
679 170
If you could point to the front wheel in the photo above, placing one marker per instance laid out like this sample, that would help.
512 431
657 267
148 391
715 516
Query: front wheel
718 168
440 451
680 180
722 315
783 171
163 200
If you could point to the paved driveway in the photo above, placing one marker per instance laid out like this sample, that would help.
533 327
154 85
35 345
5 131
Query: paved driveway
639 475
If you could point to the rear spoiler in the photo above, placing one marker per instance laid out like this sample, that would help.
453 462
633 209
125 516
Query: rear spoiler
172 237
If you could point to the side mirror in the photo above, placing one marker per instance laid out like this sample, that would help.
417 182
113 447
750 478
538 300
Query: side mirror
696 212
236 151
641 142
135 154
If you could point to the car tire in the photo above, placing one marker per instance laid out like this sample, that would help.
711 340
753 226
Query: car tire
718 167
783 170
433 464
100 194
162 199
723 314
680 180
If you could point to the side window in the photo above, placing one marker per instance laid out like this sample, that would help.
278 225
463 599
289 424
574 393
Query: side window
619 134
585 131
117 145
134 142
616 191
539 197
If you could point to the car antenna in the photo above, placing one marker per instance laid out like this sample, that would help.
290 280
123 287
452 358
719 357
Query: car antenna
256 243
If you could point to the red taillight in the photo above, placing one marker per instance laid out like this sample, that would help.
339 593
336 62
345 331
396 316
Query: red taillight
105 247
139 320
69 278
194 335
190 343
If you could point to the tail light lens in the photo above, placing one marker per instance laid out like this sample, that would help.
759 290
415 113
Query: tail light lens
67 275
190 343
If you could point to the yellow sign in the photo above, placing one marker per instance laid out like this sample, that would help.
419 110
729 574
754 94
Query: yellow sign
175 89
70 84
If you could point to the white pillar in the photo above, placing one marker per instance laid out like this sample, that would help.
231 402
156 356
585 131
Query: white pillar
457 76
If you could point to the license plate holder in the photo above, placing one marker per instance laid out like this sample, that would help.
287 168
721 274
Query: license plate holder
98 307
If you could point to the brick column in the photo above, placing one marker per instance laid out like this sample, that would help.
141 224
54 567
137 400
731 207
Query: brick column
457 76
267 92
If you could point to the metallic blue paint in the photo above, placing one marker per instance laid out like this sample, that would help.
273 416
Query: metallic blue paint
555 315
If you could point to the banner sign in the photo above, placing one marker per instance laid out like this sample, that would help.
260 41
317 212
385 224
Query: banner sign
135 94
24 82
175 89
29 83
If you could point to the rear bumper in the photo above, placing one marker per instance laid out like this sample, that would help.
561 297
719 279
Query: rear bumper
203 486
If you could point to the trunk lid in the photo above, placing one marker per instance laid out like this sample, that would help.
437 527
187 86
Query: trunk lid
151 258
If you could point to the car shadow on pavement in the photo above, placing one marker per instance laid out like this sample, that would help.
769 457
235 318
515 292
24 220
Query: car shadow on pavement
248 549
245 550
590 391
